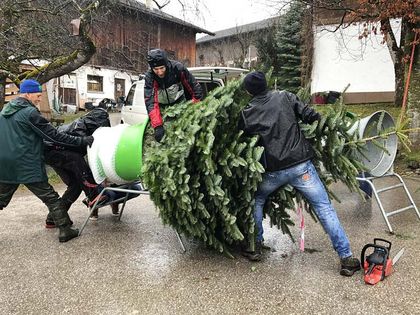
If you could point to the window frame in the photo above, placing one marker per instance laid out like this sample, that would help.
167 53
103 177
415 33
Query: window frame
92 77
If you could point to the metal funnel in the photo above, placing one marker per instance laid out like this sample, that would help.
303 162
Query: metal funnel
377 161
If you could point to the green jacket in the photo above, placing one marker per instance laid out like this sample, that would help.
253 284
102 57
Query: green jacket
22 130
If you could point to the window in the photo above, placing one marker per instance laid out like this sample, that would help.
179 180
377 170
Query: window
94 83
67 96
119 88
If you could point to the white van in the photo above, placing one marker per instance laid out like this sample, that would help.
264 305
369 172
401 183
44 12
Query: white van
134 109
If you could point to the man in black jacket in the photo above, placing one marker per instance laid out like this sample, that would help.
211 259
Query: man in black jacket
23 131
274 116
70 164
167 83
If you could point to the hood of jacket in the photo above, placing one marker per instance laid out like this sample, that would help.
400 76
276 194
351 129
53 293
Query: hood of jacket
14 106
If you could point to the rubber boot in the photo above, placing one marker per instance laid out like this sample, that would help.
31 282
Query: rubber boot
62 220
49 221
67 233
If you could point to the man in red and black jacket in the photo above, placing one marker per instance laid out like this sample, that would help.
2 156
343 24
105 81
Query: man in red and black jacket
168 82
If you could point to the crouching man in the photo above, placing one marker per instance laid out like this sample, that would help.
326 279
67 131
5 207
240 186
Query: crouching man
23 131
274 116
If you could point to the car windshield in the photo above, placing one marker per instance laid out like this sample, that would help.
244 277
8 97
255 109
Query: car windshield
130 96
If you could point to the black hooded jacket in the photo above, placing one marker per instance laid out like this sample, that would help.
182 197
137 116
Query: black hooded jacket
274 116
82 126
177 85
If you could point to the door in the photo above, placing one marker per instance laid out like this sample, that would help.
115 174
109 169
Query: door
119 89
134 110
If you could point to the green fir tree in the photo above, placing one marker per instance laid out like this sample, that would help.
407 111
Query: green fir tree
204 174
289 48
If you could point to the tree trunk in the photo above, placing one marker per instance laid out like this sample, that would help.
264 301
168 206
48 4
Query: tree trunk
396 50
62 64
399 70
2 91
414 100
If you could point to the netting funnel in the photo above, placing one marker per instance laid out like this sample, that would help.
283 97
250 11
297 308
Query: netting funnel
377 161
117 153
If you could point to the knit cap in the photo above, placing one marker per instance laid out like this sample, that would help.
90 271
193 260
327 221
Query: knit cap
255 82
30 86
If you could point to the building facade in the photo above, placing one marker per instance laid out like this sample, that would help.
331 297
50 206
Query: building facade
233 47
122 41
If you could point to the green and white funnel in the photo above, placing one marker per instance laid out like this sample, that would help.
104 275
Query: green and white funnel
116 153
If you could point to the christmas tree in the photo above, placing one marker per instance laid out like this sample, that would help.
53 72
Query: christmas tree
204 174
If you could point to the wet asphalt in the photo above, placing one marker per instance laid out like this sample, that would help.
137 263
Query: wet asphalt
136 265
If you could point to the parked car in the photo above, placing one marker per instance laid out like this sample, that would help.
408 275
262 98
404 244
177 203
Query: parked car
134 109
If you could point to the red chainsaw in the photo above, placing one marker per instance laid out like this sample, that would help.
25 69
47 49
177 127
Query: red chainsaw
378 265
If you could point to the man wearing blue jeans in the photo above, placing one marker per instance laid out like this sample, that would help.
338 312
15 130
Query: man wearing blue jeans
274 116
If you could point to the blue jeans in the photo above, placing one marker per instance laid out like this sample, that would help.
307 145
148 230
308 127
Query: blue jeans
304 178
114 195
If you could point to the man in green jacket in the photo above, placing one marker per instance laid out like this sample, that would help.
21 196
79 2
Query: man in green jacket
22 130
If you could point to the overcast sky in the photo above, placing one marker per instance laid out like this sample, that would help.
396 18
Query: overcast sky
222 14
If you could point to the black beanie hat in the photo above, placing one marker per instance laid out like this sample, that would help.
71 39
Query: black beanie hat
255 82
157 58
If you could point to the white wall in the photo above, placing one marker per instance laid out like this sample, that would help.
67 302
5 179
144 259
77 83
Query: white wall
79 81
109 77
341 58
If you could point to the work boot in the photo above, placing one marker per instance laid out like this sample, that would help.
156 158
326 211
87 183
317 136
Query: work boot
349 266
62 220
255 255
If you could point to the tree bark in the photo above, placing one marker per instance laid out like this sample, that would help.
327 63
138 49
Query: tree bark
414 99
67 64
396 51
2 91
63 64
399 70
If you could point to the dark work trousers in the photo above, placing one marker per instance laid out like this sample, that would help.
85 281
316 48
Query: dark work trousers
75 173
45 192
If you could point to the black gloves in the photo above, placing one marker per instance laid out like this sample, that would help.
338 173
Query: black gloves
87 141
159 133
